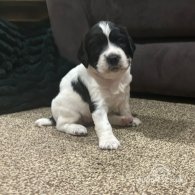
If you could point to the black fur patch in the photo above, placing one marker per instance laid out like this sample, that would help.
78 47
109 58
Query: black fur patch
119 36
94 44
82 90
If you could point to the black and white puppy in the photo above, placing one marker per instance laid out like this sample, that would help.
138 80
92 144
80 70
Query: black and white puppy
98 90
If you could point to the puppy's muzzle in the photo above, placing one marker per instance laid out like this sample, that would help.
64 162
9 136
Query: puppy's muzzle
113 61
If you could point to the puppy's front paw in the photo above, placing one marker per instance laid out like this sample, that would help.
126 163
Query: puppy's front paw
136 122
73 129
109 143
78 130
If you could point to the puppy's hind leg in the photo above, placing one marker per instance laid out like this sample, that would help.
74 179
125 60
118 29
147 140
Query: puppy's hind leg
120 120
127 118
68 125
45 122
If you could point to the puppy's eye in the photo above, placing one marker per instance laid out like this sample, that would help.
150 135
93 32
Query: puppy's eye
121 40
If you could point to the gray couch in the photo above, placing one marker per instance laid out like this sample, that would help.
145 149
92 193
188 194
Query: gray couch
164 32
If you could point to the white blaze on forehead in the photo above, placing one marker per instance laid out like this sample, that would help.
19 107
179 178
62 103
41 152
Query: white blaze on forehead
105 28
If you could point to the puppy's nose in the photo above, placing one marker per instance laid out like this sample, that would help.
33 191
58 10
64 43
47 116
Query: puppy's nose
113 59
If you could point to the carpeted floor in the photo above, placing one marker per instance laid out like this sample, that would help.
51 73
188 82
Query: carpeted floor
157 157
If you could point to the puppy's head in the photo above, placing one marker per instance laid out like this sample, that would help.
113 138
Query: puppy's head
108 48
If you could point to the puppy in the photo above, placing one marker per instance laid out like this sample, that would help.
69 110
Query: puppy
98 90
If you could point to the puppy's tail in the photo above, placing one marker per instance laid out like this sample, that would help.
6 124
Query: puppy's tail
45 122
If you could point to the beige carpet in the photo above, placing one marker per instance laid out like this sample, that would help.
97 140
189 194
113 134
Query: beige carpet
156 158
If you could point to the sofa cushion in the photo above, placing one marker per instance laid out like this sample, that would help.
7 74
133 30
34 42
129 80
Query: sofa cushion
164 68
69 24
149 18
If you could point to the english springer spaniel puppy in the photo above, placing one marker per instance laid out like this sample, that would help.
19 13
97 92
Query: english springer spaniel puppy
98 89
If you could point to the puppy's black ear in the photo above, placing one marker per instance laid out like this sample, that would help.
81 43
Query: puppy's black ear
82 55
132 46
